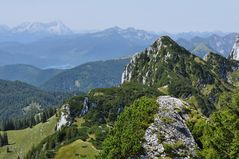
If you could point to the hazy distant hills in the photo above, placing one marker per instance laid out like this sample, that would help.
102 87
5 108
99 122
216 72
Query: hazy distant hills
99 74
55 45
26 73
202 45
76 49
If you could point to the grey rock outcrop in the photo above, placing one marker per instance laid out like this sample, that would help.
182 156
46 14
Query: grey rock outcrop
65 119
169 136
85 108
235 50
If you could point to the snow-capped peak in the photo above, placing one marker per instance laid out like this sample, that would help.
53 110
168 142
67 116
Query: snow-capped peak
235 50
55 27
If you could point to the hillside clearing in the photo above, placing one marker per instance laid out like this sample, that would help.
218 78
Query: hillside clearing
21 141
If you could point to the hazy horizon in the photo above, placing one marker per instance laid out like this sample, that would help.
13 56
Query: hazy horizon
155 15
115 26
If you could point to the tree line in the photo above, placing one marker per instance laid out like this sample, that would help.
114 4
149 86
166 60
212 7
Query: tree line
26 121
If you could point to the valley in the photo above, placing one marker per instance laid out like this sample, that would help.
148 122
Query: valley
94 91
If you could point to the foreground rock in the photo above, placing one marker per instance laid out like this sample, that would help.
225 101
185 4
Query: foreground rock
169 136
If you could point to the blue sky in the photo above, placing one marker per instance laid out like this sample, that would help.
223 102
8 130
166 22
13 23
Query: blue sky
153 15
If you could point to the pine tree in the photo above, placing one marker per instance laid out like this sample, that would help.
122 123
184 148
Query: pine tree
8 150
38 120
44 117
1 140
5 138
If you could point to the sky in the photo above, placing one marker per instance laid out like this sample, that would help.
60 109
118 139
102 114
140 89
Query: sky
152 15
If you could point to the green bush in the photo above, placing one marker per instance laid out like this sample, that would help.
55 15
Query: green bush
124 141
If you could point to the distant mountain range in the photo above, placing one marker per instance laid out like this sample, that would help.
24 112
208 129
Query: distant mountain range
29 31
54 45
202 45
76 49
57 28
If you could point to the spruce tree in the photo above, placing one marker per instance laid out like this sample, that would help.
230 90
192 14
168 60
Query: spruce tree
5 138
1 140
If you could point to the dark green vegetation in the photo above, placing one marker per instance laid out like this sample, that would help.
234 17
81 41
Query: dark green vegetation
100 74
220 65
218 136
26 73
29 120
18 99
3 139
129 129
104 107
106 104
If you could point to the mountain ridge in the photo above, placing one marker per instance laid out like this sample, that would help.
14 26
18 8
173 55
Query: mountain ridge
46 50
27 73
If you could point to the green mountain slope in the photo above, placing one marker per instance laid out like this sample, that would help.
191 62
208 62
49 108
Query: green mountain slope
26 73
21 141
166 64
100 74
220 65
77 150
16 98
92 115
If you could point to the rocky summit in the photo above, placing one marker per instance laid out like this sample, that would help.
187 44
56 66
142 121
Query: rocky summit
165 64
163 61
